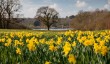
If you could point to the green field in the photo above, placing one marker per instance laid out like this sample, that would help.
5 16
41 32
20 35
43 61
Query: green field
54 47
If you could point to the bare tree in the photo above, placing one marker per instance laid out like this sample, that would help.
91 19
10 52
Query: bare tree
12 6
95 20
7 10
47 15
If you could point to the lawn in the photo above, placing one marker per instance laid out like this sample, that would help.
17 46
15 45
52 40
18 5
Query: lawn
54 47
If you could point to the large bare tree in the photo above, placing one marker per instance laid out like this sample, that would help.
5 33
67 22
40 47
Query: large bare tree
47 15
12 6
7 10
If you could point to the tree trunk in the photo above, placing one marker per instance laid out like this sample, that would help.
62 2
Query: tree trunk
48 28
9 19
0 24
8 24
3 22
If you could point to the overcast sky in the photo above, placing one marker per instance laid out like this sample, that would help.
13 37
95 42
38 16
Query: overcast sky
64 7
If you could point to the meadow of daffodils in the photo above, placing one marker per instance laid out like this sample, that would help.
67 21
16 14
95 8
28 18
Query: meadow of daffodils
70 47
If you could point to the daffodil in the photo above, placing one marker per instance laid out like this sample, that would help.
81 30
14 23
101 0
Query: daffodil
66 48
47 62
69 38
72 59
52 48
18 51
88 42
104 50
31 45
74 44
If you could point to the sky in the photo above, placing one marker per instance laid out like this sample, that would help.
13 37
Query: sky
64 7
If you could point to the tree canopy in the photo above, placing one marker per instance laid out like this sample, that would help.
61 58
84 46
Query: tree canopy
48 16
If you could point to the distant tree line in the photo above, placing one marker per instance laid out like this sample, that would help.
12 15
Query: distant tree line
92 20
7 11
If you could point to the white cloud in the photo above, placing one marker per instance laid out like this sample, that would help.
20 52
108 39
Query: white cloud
90 8
29 9
62 11
80 4
108 1
107 6
55 6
